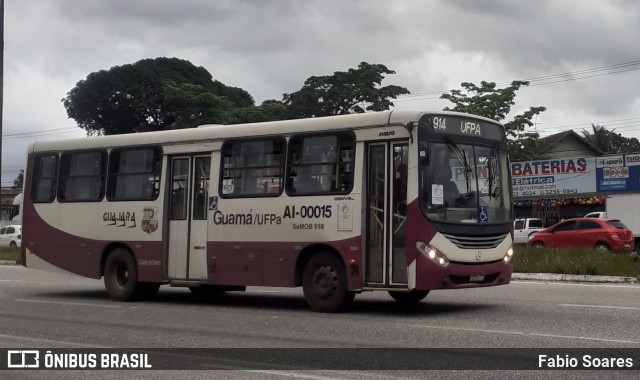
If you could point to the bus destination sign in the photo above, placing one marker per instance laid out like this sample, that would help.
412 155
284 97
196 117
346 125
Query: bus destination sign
452 125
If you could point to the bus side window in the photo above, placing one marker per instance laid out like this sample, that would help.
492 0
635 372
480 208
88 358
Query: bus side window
82 176
320 164
134 174
252 168
250 159
304 182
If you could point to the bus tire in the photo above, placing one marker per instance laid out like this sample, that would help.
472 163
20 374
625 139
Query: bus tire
324 283
409 297
121 278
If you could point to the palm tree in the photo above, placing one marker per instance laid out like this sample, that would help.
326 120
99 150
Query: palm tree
601 137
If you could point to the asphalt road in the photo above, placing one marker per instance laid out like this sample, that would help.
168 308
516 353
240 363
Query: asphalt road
44 310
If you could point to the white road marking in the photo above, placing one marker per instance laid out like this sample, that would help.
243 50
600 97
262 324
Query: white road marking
40 282
523 333
599 306
70 303
50 341
538 282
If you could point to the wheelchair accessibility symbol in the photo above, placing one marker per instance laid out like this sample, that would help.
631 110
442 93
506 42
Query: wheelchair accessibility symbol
483 214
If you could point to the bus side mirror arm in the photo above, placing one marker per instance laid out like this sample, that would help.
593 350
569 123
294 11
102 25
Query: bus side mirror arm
409 128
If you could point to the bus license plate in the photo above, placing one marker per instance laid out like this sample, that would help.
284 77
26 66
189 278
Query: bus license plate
476 278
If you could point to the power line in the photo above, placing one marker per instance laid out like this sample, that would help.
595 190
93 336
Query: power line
43 132
544 80
585 71
583 77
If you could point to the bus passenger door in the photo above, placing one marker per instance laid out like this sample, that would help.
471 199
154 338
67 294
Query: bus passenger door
386 194
188 217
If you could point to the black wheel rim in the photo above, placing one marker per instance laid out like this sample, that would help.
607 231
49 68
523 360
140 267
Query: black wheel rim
122 275
325 282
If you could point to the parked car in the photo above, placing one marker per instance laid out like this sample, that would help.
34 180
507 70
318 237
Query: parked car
523 228
596 214
598 233
11 236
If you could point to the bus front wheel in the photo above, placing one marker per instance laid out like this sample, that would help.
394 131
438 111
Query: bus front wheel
121 278
324 283
409 297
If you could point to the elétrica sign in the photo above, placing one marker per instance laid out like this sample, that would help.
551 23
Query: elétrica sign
568 177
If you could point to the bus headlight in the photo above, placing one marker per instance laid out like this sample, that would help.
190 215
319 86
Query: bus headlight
508 256
432 253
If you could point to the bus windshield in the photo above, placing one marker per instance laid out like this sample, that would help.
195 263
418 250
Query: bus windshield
464 183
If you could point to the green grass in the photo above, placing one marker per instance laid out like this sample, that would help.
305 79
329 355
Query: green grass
12 254
575 261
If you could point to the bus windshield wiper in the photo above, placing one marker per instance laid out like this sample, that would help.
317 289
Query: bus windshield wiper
463 157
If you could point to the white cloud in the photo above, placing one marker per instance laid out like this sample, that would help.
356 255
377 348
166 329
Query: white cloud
270 47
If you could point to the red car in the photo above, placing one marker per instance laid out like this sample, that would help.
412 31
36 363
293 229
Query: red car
605 234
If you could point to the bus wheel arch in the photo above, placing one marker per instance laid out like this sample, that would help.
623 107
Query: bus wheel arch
324 282
121 276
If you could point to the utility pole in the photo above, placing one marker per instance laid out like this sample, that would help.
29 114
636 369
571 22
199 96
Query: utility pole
1 83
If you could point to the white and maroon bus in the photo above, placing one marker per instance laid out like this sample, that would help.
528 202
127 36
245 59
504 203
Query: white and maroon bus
400 201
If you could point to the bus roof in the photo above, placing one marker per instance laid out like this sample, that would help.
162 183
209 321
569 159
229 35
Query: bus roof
214 132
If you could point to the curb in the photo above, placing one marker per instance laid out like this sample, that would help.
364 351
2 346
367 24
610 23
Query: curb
8 262
574 278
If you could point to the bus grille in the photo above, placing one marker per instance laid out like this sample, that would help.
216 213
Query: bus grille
476 242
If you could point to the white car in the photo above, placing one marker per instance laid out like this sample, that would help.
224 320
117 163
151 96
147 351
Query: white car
523 228
11 236
596 214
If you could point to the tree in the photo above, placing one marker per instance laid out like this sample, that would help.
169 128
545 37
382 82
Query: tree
611 142
621 144
151 95
599 138
354 91
495 103
269 110
18 182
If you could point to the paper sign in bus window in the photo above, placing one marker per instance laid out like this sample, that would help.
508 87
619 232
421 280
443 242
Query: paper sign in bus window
437 194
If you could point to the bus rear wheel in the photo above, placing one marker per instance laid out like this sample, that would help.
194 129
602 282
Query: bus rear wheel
409 297
324 282
121 278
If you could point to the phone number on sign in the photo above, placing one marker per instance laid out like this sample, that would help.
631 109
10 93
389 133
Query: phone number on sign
527 193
